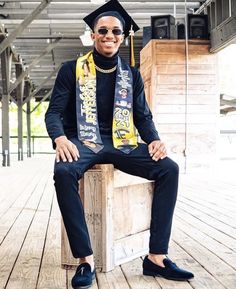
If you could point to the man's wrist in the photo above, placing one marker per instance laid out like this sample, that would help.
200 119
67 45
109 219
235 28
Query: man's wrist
59 138
155 139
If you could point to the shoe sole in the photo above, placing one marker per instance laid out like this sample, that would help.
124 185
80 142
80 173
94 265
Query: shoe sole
85 287
149 273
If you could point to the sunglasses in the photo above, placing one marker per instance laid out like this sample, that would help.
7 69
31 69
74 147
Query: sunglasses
115 31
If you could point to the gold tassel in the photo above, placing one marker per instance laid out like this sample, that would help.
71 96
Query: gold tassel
132 59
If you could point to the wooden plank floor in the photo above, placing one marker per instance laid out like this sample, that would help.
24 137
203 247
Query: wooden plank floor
203 239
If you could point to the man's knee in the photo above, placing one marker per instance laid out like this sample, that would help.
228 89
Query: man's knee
170 167
64 170
173 167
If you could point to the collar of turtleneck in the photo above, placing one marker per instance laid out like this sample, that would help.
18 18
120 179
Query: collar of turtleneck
103 61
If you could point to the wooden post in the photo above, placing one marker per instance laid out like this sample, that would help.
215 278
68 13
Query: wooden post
6 71
28 120
19 96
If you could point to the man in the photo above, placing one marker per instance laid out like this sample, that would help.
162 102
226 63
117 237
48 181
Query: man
91 119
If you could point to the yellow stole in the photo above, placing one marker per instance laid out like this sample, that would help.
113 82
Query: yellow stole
123 129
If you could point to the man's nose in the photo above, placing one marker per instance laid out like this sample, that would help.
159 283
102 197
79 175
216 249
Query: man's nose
109 33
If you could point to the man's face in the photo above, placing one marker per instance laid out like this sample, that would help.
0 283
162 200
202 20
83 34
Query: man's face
109 43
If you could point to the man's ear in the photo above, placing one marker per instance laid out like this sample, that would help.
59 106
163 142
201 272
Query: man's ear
93 36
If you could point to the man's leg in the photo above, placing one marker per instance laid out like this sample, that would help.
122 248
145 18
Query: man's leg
66 176
165 174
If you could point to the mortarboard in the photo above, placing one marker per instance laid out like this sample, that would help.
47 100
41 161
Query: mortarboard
112 8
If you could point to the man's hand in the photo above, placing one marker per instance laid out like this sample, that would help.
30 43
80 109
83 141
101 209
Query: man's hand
65 150
157 150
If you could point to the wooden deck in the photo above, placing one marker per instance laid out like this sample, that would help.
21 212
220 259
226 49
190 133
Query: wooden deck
203 240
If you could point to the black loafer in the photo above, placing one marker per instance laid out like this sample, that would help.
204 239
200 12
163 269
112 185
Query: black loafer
83 277
171 271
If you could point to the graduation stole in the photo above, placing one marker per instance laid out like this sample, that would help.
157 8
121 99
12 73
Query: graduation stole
123 130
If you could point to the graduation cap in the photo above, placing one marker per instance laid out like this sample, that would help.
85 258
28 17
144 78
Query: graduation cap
112 8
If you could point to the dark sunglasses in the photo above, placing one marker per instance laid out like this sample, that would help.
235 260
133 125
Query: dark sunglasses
115 31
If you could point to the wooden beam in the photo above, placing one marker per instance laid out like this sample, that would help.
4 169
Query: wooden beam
219 10
223 34
15 58
19 97
227 110
222 20
224 96
33 63
231 103
233 7
44 98
6 70
20 28
41 85
203 6
28 121
28 118
97 5
212 17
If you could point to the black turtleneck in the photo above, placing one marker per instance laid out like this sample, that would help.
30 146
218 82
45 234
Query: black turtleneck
103 61
60 117
105 91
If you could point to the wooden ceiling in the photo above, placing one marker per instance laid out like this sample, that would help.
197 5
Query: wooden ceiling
61 21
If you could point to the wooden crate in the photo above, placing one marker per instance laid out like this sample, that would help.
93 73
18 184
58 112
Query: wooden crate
181 87
118 210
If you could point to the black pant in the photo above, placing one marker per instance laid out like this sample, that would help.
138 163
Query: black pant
138 162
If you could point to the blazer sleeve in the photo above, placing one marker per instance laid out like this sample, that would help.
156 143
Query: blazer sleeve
59 100
143 119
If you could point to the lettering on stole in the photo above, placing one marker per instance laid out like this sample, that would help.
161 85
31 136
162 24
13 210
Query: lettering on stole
88 110
122 117
122 114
